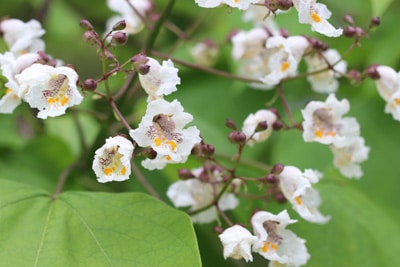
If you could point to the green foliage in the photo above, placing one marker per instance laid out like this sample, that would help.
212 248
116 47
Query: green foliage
91 229
379 6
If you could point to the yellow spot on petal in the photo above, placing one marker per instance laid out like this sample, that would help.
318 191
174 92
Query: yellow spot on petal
298 200
172 144
265 247
397 101
8 91
318 133
168 157
274 247
332 133
157 141
51 100
107 171
315 17
123 170
236 1
284 66
64 100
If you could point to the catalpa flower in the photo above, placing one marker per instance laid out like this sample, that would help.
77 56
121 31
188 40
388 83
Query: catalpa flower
388 86
275 242
205 53
237 242
130 11
240 4
198 194
297 189
112 161
326 81
162 128
317 15
248 44
323 122
10 66
252 121
22 37
160 80
284 57
348 158
49 89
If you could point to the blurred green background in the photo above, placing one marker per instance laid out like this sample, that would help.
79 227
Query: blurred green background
364 230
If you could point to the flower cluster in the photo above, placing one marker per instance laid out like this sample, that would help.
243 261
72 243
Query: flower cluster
271 240
323 123
31 75
388 85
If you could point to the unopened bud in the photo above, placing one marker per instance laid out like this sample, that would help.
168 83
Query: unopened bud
90 84
85 24
284 33
284 4
143 69
119 38
231 124
355 75
375 22
349 31
277 168
280 198
149 153
237 137
218 229
271 178
119 26
185 174
372 73
207 149
89 36
349 20
277 125
317 44
261 126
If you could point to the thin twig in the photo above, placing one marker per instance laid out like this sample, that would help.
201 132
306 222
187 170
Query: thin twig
140 177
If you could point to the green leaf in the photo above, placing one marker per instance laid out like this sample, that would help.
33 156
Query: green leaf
92 229
380 6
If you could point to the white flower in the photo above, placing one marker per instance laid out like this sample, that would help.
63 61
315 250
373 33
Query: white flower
112 161
323 122
285 54
316 14
276 243
22 37
162 128
248 44
198 194
297 189
262 17
237 242
10 66
388 83
251 122
347 158
205 53
160 80
240 4
49 89
326 81
131 15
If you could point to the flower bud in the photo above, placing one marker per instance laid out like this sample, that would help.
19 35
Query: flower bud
317 44
271 178
349 20
119 38
349 31
218 229
185 174
85 24
284 4
280 198
89 37
372 73
90 84
207 149
237 137
354 75
277 125
149 153
231 124
261 126
119 26
374 22
277 168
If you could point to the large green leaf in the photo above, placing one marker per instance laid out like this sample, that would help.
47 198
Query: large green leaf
91 229
380 6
